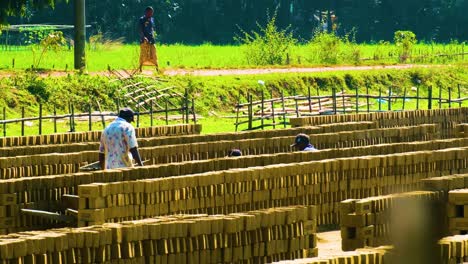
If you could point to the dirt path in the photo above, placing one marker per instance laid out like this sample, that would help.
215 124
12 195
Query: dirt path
227 72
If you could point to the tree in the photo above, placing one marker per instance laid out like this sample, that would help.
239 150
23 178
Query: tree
9 8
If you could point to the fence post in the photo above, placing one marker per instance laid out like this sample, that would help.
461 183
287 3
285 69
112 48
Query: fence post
357 100
70 117
367 99
151 113
193 112
404 99
380 99
310 101
263 110
429 103
4 123
459 96
55 119
273 113
73 117
319 99
334 100
343 100
390 99
237 114
440 97
90 121
138 114
450 97
250 110
284 109
22 121
166 114
186 106
297 106
417 98
40 119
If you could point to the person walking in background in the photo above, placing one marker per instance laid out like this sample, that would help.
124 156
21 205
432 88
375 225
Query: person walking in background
148 55
302 143
119 145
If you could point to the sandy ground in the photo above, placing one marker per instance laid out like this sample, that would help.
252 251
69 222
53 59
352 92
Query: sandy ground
329 243
285 70
227 72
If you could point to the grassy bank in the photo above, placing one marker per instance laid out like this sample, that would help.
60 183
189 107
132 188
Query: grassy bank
217 96
211 56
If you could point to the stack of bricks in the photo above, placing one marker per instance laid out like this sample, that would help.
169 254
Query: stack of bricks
211 150
45 164
322 182
462 130
453 249
457 210
446 183
53 146
95 136
171 140
261 236
446 119
379 255
366 222
62 163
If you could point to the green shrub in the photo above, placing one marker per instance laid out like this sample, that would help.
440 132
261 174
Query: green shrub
269 46
326 46
405 40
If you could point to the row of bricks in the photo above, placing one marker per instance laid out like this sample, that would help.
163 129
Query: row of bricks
367 222
391 118
206 150
91 136
380 255
251 161
51 188
187 139
271 172
237 230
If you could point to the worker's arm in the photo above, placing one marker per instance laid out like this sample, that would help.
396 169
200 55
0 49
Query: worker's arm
136 156
102 160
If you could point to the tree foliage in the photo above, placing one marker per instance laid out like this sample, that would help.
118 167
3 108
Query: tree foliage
20 8
217 21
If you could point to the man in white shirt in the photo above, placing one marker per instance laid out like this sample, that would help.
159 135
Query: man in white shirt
119 144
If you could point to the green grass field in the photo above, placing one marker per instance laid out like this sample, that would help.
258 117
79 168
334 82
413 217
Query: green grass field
214 57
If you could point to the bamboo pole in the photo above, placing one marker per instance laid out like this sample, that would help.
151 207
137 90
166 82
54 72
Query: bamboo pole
40 119
22 121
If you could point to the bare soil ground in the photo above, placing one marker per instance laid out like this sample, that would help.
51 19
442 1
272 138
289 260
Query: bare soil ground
226 72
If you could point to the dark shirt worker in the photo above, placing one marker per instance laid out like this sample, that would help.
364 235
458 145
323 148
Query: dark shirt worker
302 143
146 26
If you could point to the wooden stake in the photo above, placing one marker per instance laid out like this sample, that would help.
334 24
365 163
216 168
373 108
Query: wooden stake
284 109
55 119
4 124
40 119
151 113
263 110
22 121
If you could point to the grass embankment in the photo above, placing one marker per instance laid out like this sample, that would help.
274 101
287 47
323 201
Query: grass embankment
216 96
214 57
